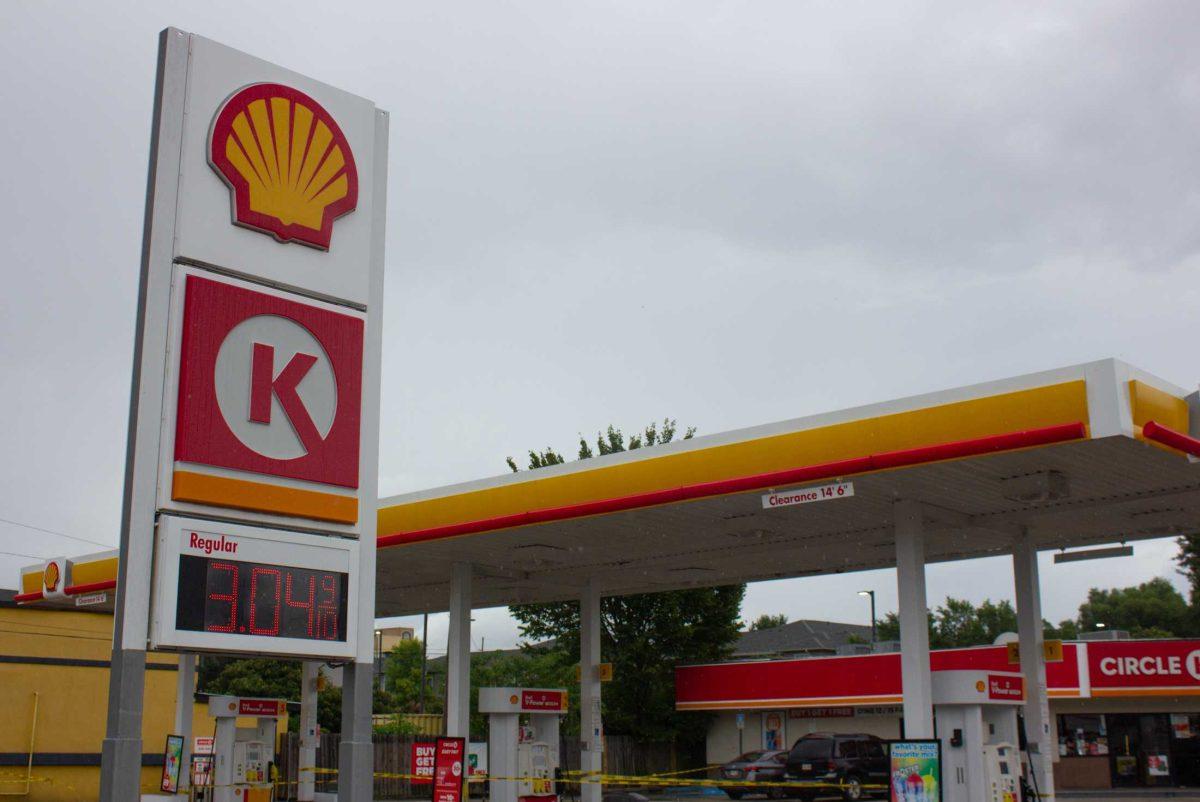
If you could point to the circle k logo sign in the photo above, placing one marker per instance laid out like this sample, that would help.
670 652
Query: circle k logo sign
268 385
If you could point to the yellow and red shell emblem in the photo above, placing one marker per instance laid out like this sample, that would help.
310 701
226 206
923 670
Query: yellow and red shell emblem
286 161
51 576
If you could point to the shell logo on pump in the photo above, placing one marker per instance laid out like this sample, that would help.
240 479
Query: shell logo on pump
287 163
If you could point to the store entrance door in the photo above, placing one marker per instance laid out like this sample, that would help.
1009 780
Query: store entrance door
1140 746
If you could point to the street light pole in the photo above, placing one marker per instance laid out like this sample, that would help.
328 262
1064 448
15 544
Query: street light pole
870 593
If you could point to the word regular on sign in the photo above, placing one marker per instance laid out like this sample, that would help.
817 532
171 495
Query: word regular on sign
807 495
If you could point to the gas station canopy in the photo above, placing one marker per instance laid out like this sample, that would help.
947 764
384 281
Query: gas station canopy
1089 454
1094 453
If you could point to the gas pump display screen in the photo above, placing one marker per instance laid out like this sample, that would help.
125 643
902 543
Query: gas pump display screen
240 589
250 598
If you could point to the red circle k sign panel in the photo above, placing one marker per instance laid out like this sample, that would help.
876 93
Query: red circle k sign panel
268 385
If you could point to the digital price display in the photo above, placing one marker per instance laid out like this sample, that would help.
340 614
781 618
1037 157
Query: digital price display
234 588
274 601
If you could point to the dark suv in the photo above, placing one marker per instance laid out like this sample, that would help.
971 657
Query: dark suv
854 765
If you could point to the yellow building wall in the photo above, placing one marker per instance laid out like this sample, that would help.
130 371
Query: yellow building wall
72 702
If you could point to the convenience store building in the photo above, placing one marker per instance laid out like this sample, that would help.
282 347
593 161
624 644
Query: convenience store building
1125 713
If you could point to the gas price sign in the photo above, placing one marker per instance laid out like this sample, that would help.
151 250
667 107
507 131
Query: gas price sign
239 588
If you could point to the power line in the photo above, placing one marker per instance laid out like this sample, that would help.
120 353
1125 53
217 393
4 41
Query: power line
54 532
19 554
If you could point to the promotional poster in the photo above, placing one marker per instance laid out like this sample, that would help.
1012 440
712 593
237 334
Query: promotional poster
915 771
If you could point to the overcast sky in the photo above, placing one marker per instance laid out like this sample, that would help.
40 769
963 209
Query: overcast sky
728 213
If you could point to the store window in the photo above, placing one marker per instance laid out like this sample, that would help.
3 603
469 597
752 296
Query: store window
1143 749
1082 735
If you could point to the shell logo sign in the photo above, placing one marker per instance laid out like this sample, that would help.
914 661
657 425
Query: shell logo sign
51 577
287 163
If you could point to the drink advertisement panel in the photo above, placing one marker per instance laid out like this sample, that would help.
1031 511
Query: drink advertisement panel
449 759
172 759
915 771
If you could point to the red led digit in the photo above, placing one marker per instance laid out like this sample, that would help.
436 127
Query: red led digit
230 597
255 573
327 610
304 605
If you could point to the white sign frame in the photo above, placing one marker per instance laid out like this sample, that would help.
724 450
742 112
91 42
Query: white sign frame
168 465
204 233
269 545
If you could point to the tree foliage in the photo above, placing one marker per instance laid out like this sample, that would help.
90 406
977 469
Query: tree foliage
1189 565
767 621
402 676
269 679
958 623
1153 609
644 636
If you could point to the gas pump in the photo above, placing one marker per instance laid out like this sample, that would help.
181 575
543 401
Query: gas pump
976 714
242 756
527 752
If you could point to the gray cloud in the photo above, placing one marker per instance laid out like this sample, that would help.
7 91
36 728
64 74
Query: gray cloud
728 213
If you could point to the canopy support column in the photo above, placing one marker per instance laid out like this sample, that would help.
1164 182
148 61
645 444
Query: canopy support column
914 623
306 787
458 650
591 726
185 698
1033 661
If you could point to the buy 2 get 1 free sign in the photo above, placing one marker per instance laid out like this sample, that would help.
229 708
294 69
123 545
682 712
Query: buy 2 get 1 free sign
270 389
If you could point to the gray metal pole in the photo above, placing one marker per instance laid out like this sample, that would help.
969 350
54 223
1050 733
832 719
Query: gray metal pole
121 750
424 652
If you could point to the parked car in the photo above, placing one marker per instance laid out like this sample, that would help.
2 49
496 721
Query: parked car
755 767
855 765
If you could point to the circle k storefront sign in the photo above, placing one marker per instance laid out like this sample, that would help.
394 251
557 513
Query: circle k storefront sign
1126 667
270 388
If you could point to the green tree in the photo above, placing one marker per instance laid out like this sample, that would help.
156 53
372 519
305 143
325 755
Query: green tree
277 679
531 667
767 621
958 623
402 676
1153 609
1189 565
646 635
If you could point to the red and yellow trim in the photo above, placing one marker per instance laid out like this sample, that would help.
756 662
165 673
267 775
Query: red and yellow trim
1019 419
1159 417
1176 691
241 494
754 704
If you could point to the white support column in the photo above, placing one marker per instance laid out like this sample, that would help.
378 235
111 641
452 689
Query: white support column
914 622
1042 747
309 673
185 698
591 725
458 650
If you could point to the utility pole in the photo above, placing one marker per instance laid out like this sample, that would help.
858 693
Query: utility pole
424 651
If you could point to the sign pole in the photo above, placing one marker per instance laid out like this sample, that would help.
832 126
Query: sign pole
356 755
121 752
252 457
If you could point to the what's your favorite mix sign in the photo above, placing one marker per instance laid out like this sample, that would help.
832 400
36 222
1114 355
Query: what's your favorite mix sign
915 771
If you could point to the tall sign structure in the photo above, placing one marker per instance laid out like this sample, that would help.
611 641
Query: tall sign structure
248 524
